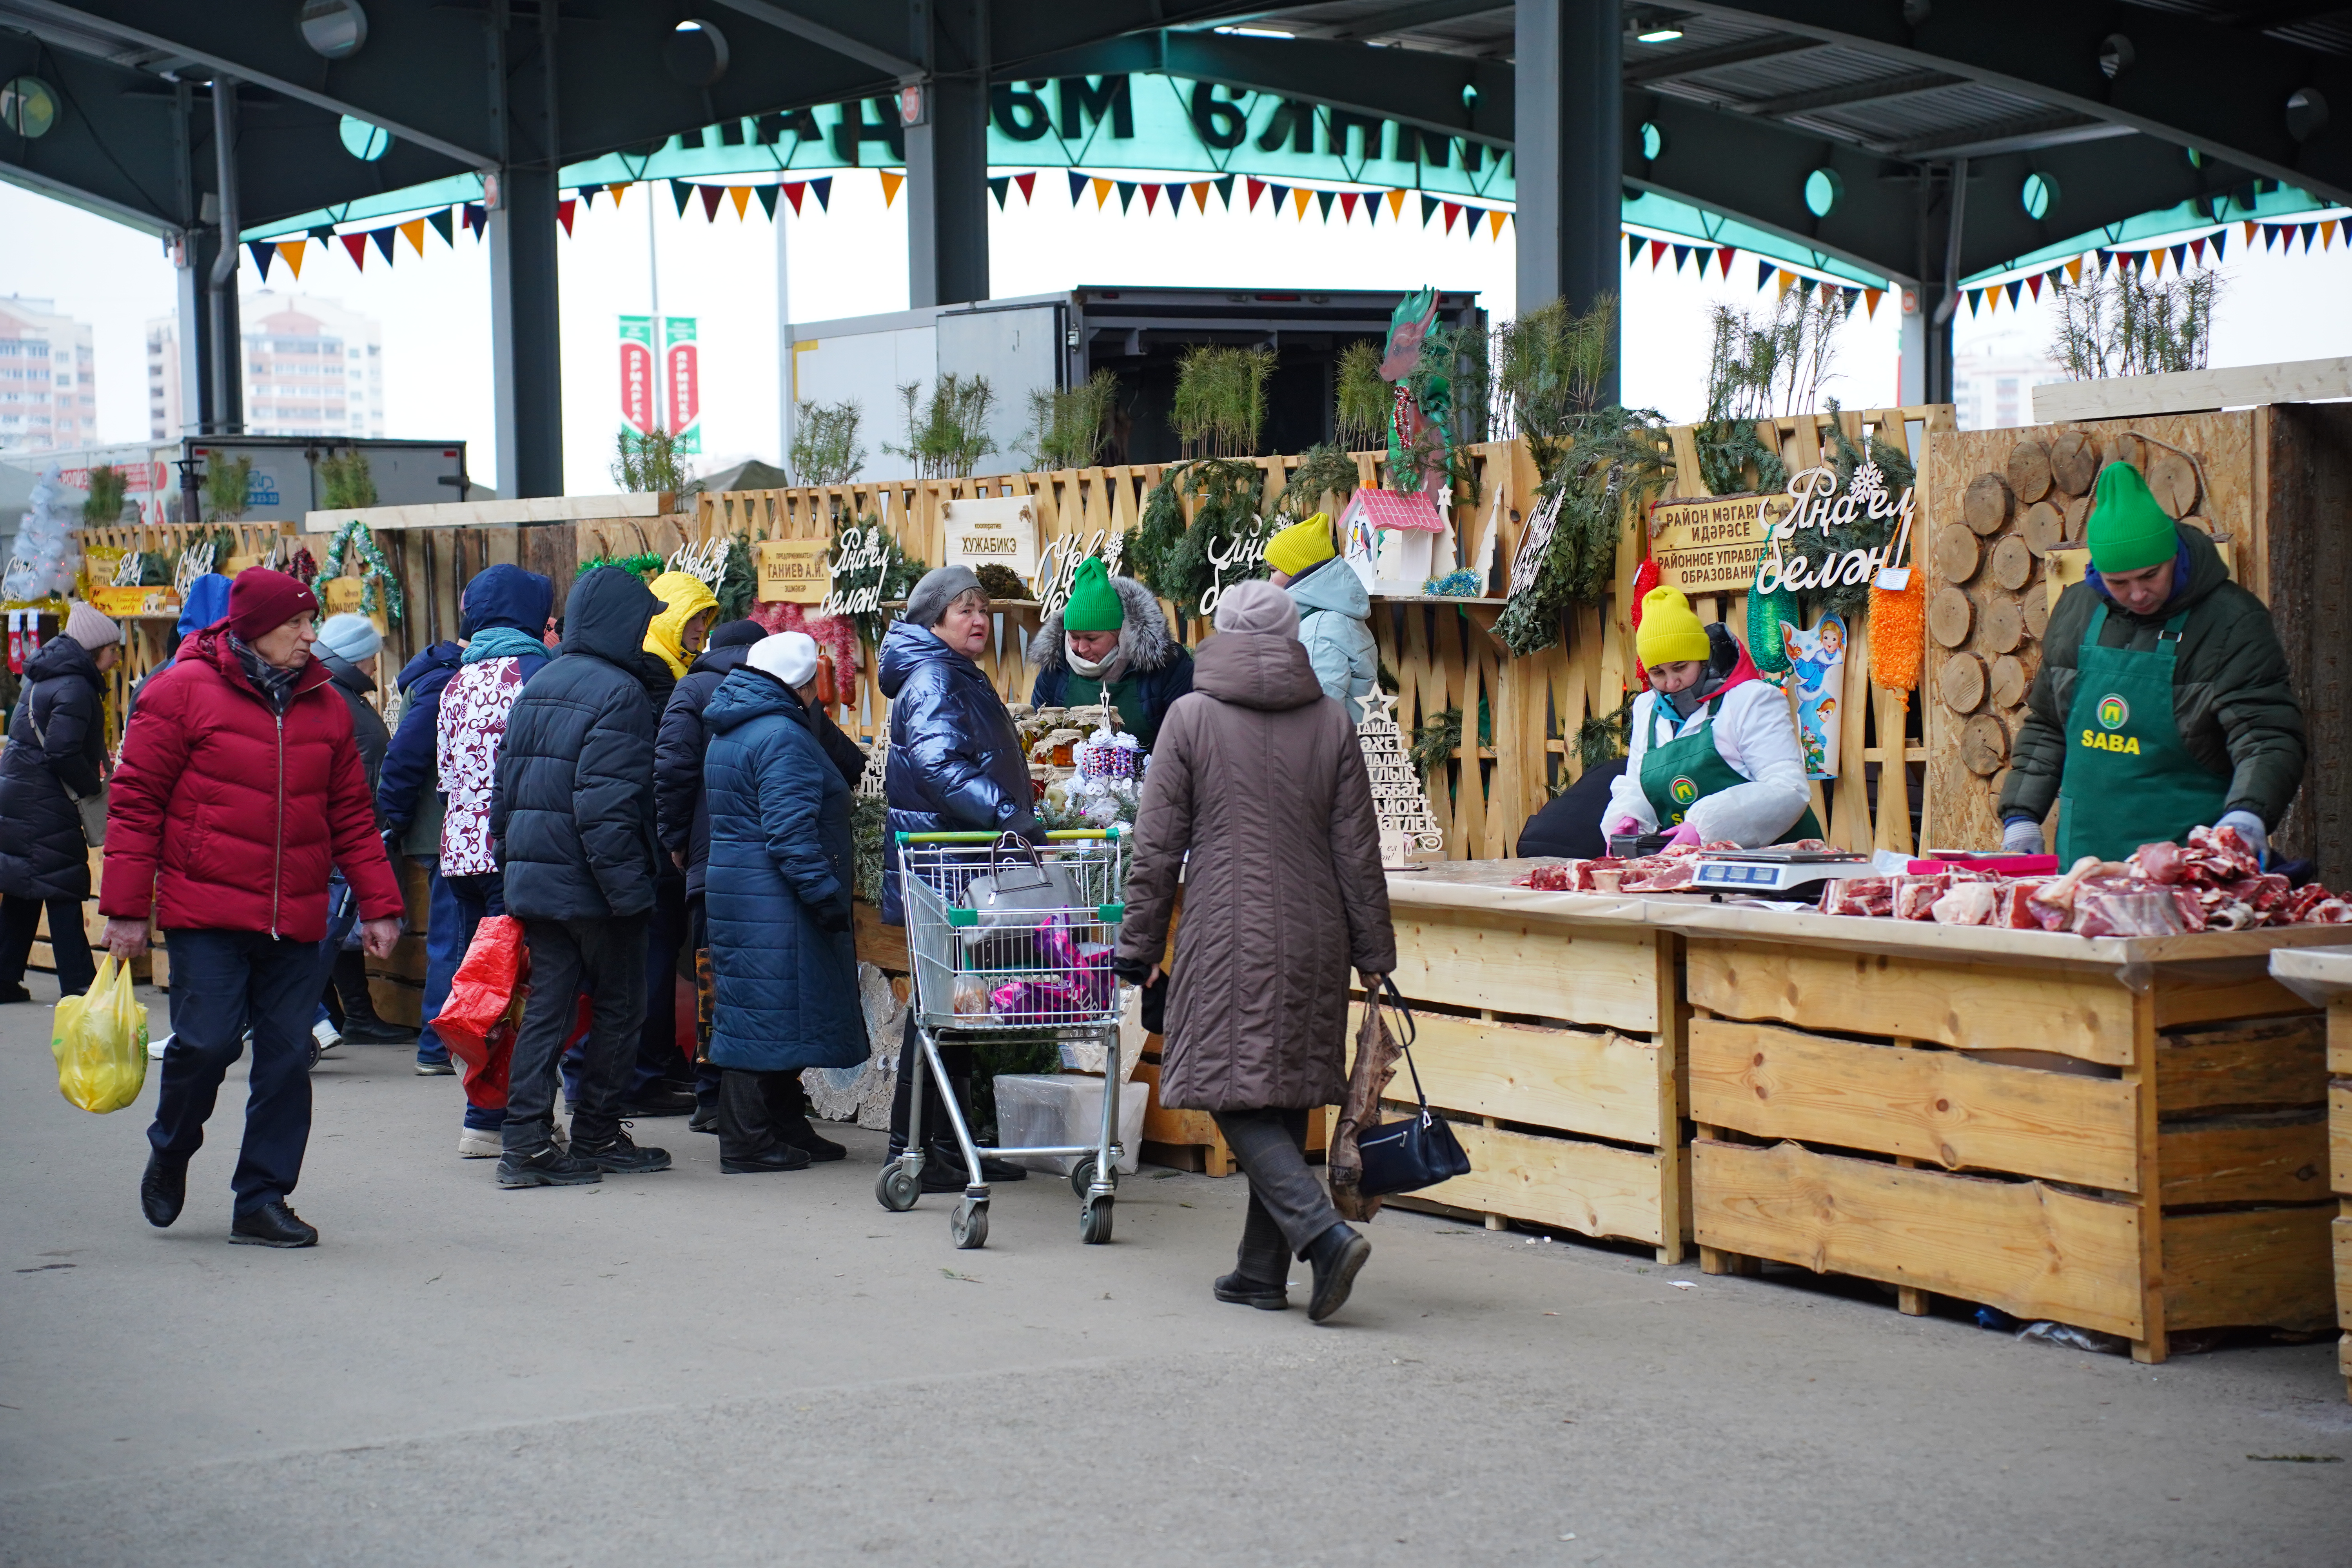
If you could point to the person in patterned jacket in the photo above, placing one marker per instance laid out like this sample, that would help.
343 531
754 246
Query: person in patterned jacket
508 612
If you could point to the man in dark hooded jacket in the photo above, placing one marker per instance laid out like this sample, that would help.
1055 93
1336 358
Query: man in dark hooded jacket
572 820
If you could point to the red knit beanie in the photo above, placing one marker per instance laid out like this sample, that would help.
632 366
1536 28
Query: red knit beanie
260 601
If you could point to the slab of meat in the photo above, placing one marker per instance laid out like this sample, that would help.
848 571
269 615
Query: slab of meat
2224 852
2013 907
1859 896
1560 878
1658 874
2114 907
2265 893
2330 912
1966 904
2301 902
2159 863
1915 896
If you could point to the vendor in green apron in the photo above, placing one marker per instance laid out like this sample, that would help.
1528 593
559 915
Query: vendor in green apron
2163 701
1713 756
1110 636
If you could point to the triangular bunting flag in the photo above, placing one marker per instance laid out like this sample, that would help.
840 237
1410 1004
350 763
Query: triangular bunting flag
1151 199
1027 184
1764 274
1453 212
2221 243
890 183
323 235
997 186
822 191
2196 250
563 216
1429 206
1657 252
355 246
1494 223
444 225
587 195
1225 191
264 253
1324 200
290 251
1175 199
2251 226
1805 286
792 192
2033 286
2327 234
383 238
1781 276
1682 256
1257 189
766 195
1126 193
1077 186
2179 256
1346 207
2101 261
742 197
1102 193
1705 255
2013 291
1633 248
616 192
1396 204
1723 255
1870 298
2308 230
711 196
682 193
413 231
2156 261
2270 237
1298 200
1199 189
476 214
2074 270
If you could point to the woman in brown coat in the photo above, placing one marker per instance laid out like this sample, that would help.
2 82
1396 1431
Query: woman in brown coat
1258 776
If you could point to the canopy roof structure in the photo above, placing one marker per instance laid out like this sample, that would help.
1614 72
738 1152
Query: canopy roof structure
1921 142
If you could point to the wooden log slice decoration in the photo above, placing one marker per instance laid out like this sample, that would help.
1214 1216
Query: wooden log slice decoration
2009 682
2123 446
1961 682
2075 463
2078 517
2200 523
2029 470
2044 529
1984 745
1984 506
1956 553
2004 625
2013 561
1949 617
2037 612
2172 479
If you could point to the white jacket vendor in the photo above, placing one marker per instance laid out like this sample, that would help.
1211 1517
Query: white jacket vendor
1713 754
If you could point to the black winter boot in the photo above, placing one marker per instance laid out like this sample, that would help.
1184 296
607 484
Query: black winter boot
1338 1255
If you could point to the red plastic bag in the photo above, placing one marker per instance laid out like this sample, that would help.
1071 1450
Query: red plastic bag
486 987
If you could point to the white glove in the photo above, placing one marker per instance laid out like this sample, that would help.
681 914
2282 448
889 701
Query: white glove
2250 828
2022 836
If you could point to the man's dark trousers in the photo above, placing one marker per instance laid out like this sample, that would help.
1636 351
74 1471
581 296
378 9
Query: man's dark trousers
220 980
658 1059
605 959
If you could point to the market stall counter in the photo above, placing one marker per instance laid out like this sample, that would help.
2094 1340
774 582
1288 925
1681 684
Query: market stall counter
2123 1134
2324 975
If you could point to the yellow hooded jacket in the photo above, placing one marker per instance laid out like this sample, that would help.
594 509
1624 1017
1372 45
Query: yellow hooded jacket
683 597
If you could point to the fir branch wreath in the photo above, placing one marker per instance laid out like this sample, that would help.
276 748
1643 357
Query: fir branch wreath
378 589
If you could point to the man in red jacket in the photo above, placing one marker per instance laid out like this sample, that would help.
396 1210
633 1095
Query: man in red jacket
240 787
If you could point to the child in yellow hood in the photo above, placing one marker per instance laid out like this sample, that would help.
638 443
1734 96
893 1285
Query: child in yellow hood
675 634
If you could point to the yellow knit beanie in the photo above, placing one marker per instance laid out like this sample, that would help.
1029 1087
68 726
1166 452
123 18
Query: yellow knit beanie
1670 632
1300 546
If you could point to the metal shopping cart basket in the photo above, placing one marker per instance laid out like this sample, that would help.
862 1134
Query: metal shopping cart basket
1012 943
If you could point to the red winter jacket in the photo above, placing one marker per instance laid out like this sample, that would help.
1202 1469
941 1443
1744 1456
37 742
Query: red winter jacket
226 816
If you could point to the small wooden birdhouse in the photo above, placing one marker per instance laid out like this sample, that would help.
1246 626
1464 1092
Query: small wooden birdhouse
1393 538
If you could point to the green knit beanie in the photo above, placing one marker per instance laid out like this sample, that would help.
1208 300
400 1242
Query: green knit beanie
2129 532
1094 603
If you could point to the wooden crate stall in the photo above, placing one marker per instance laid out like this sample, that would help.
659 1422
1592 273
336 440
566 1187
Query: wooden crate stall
2125 1134
2325 975
1551 1037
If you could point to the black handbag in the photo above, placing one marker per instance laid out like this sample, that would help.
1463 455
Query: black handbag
1419 1152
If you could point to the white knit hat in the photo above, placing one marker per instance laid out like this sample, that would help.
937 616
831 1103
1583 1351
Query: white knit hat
350 637
790 657
91 627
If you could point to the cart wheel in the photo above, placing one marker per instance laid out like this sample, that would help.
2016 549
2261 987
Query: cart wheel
1082 1174
1094 1222
969 1224
896 1188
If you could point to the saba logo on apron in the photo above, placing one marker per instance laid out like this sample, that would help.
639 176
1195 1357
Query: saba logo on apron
2113 713
1685 790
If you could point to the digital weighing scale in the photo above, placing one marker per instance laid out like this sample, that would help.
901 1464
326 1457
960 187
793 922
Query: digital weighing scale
1765 871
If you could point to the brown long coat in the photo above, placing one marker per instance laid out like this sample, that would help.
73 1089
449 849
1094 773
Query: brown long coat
1258 776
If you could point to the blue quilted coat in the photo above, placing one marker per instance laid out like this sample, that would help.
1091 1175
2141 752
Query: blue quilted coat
955 762
777 888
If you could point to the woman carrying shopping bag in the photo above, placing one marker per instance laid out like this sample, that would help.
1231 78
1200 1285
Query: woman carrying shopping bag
55 760
1257 777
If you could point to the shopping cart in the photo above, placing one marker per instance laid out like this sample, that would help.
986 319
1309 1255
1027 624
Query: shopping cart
1012 943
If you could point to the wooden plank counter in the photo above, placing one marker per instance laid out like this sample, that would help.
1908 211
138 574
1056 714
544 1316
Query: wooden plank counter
2324 973
2126 1134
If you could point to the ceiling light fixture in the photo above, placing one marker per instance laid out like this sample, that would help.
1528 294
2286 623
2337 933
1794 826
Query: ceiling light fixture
1240 32
1658 35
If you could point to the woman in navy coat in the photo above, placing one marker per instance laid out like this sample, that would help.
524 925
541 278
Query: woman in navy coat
777 896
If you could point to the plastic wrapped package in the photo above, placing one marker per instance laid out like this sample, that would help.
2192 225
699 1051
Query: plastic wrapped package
1044 1109
100 1041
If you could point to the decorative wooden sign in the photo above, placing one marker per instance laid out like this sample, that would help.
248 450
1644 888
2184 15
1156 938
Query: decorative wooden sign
1000 531
855 573
1790 562
1407 824
1057 565
794 571
1711 544
705 562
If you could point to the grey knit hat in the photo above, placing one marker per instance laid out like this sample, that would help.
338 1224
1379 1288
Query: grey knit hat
91 627
1256 607
937 590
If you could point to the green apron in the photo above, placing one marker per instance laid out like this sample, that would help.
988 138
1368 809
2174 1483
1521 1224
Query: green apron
1125 695
2123 752
1680 772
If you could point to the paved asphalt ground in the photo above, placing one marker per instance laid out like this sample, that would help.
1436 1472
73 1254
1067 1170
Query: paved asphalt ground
702 1369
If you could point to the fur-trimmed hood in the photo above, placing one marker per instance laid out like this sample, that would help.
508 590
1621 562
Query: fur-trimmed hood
1143 632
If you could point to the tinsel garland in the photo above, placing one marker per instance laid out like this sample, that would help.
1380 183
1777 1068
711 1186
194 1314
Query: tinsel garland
645 564
836 634
378 589
1768 614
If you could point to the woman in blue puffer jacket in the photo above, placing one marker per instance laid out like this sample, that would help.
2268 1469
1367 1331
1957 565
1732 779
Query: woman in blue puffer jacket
955 765
776 893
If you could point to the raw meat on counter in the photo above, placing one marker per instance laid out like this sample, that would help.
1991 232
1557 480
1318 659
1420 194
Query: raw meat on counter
2214 882
1663 872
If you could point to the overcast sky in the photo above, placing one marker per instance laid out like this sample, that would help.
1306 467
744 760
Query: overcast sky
852 261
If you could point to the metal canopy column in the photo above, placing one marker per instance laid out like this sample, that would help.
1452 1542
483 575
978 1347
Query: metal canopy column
526 340
208 289
1943 214
1568 111
947 155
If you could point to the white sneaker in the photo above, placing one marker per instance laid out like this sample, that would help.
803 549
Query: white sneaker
324 1033
480 1143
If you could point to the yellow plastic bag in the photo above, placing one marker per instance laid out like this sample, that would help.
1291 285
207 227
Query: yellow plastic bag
100 1040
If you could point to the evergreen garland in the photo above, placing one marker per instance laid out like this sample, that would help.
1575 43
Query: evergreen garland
739 580
378 589
1171 558
1608 459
